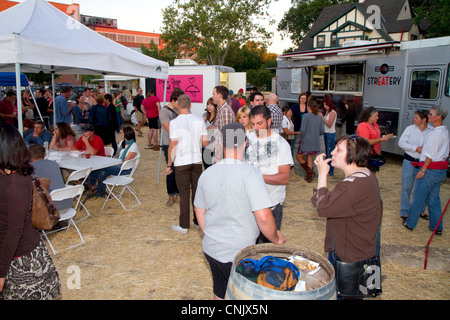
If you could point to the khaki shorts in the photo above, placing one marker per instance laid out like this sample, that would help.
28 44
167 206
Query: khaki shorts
140 116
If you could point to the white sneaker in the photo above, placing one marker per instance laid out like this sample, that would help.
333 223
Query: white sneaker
179 229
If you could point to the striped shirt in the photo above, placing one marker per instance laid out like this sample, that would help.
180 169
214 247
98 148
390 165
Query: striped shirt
225 115
277 118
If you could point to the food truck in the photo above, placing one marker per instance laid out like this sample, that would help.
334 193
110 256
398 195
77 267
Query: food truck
396 78
198 81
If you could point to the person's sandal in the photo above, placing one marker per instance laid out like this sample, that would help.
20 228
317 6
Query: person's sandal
404 223
438 232
406 226
424 216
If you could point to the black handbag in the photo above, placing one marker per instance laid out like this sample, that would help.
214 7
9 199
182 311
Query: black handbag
360 279
376 159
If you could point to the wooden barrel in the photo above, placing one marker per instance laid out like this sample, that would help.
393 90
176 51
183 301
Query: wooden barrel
320 286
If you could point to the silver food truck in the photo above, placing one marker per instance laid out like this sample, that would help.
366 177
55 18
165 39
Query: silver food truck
396 78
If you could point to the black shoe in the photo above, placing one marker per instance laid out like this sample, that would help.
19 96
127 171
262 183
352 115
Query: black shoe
438 232
424 216
404 223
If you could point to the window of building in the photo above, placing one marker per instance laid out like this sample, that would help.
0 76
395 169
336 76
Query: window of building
334 40
425 84
320 41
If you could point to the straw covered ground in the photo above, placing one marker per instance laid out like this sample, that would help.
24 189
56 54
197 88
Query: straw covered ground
135 254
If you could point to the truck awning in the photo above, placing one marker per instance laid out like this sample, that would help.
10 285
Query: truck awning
304 64
354 50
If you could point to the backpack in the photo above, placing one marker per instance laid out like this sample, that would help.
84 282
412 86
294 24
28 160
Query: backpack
271 272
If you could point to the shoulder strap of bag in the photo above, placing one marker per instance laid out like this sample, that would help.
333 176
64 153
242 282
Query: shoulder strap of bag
167 107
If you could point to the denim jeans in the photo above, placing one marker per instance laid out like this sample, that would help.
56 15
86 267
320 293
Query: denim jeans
409 173
102 174
426 190
119 120
329 139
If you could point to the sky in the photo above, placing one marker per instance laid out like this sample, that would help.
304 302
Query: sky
146 15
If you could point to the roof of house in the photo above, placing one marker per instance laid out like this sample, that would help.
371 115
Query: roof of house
389 9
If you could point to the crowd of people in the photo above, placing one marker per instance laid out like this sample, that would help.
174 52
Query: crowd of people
262 136
232 165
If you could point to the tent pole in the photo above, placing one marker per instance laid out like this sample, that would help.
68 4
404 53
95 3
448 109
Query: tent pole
39 111
19 99
161 137
53 95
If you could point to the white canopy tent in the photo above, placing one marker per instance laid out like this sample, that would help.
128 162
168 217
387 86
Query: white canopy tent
35 36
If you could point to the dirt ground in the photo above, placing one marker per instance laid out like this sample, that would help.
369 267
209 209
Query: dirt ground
134 255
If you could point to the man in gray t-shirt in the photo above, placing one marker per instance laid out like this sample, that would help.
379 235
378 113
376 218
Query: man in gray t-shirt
232 205
166 114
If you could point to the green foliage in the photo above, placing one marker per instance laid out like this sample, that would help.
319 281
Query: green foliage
206 30
154 52
253 58
437 12
260 78
89 77
41 78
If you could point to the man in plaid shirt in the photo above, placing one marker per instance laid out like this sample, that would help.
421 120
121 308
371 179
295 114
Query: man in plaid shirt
276 113
225 115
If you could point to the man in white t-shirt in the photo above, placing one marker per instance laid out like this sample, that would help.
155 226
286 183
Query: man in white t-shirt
271 154
187 134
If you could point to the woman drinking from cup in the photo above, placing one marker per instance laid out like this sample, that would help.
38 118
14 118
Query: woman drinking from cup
353 208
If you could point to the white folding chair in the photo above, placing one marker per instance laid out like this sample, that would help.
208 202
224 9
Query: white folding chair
81 176
123 181
70 192
78 175
109 152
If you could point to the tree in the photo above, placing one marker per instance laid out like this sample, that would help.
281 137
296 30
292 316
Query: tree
436 12
154 52
254 59
206 30
299 19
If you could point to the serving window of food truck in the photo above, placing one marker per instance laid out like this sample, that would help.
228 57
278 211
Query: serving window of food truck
339 78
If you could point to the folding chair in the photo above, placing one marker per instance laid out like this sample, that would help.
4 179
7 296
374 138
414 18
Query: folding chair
122 181
109 152
81 176
70 192
78 175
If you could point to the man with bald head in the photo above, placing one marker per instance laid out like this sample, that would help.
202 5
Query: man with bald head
276 113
